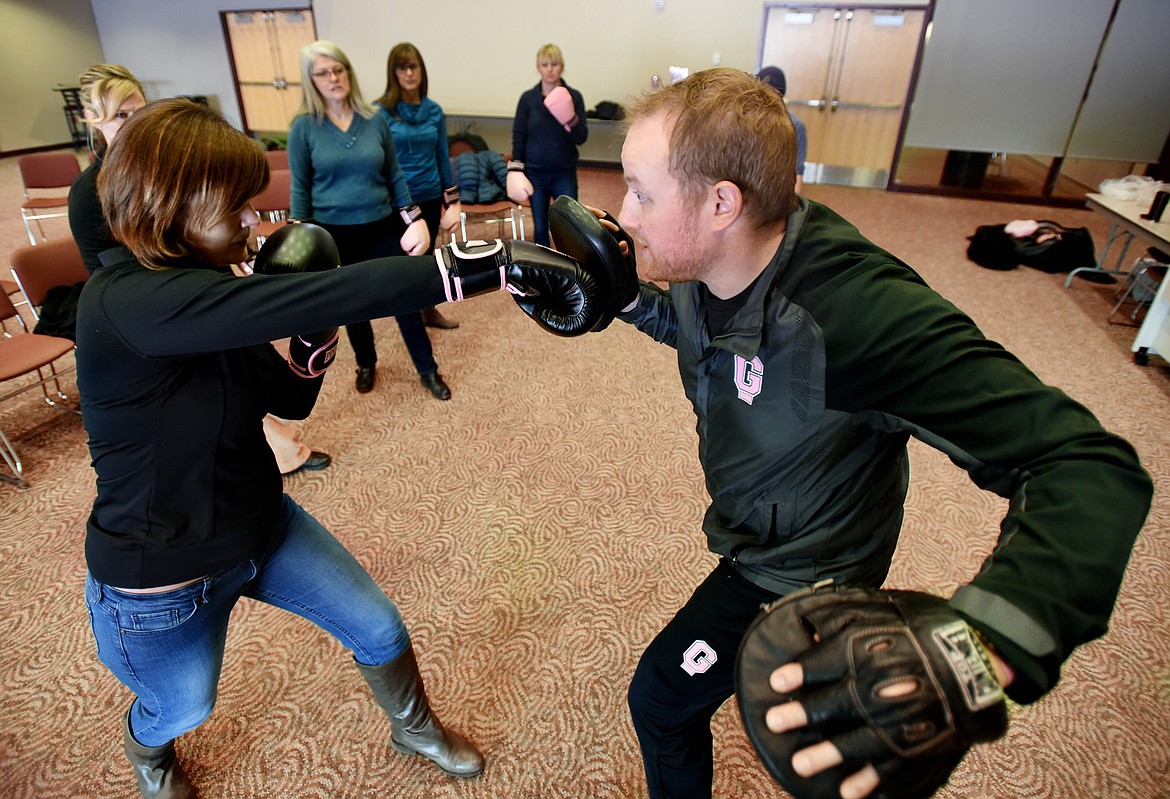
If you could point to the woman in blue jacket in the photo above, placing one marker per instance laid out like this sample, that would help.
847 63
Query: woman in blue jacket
420 140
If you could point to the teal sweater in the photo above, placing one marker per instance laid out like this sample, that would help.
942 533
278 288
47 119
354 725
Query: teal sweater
344 178
420 136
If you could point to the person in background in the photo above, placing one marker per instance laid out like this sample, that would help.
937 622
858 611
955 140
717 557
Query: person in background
420 139
774 77
811 357
110 94
347 179
548 128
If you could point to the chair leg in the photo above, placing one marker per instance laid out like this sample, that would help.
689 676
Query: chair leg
28 227
1129 286
1138 278
55 378
13 461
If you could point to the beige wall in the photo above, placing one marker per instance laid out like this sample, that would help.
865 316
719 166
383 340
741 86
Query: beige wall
480 56
47 42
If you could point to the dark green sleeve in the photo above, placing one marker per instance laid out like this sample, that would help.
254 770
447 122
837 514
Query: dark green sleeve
1078 495
655 315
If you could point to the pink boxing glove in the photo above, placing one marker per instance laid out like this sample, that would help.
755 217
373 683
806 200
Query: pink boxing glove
560 104
518 186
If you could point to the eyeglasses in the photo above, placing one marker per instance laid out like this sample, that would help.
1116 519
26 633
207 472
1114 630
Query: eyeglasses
408 68
331 72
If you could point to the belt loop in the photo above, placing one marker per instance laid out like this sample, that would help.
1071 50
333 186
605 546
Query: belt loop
99 589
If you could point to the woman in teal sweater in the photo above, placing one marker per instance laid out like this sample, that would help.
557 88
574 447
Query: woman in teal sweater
420 140
346 178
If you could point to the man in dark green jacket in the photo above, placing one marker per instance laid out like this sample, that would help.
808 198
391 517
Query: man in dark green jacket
811 356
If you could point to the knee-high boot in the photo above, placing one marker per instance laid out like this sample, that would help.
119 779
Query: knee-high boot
158 771
398 689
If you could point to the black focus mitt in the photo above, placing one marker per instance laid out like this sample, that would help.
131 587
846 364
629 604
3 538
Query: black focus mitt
854 644
579 234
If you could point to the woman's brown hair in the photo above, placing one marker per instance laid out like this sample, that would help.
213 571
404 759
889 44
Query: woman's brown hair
402 54
174 167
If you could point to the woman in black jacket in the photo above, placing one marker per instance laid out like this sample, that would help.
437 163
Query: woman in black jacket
175 371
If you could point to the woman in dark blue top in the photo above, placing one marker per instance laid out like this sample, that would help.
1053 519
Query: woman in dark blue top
548 128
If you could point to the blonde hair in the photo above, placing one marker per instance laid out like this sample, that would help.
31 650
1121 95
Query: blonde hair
104 87
552 52
728 125
176 167
311 100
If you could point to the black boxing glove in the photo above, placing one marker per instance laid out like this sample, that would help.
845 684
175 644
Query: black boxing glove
302 247
310 354
550 287
854 644
579 234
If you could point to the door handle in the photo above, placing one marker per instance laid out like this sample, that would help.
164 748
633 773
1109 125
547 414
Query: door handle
873 106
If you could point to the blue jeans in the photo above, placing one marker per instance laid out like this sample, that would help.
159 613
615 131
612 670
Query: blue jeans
168 648
546 187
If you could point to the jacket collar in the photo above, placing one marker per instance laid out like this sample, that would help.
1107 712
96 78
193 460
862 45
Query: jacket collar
744 332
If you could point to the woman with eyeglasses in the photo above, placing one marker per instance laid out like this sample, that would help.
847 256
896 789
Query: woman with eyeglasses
420 139
346 178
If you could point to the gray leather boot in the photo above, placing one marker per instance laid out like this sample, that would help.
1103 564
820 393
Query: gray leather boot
159 774
398 689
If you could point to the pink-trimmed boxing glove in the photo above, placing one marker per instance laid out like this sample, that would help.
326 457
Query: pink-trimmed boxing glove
560 104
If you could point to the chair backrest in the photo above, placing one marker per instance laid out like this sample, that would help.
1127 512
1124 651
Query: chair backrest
277 159
7 309
52 170
278 196
8 312
40 267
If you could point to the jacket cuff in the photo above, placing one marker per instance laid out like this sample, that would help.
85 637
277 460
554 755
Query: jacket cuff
1027 647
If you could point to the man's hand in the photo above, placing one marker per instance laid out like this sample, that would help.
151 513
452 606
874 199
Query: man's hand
876 688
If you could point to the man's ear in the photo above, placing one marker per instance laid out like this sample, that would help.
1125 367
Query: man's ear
728 201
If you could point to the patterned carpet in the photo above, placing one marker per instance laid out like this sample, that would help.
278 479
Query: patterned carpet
537 530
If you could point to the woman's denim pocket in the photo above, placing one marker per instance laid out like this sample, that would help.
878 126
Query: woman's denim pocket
152 613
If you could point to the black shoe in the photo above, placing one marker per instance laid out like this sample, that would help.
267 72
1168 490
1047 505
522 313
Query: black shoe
314 463
435 384
365 380
432 318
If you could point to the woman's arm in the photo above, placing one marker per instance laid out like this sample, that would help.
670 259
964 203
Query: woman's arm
300 164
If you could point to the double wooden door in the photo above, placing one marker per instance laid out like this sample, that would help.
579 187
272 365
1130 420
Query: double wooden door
265 51
849 71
